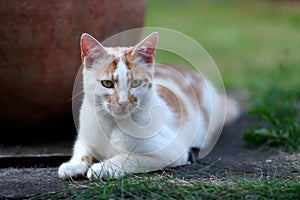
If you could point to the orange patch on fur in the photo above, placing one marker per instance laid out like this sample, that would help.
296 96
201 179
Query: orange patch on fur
171 99
111 68
112 100
129 58
115 97
89 160
132 99
193 89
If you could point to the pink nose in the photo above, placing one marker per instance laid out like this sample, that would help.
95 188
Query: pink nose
123 105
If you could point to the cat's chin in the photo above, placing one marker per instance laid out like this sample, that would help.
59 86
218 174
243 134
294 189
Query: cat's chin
121 114
118 113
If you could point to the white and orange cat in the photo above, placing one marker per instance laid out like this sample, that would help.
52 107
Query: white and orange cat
137 116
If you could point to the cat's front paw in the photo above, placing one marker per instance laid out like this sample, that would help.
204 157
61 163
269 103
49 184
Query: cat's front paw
103 170
72 169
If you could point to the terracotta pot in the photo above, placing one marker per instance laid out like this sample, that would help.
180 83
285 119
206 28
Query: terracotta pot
40 55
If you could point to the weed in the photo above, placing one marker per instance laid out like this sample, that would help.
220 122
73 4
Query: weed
279 110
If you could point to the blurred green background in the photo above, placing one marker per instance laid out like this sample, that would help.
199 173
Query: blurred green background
255 44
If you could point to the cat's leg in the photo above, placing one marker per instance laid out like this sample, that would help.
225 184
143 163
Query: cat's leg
119 165
132 163
76 166
103 170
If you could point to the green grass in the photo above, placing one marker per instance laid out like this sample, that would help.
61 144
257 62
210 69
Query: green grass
280 111
154 187
248 40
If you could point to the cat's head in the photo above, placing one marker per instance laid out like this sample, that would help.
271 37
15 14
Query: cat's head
118 79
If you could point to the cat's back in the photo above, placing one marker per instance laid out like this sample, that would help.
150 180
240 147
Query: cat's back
181 88
191 96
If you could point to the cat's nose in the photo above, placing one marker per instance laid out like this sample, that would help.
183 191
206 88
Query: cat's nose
123 105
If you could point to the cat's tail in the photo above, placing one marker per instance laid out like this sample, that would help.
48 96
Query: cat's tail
232 110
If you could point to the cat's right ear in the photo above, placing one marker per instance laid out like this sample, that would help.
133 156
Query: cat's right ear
91 49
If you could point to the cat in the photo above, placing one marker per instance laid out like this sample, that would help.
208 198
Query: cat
138 116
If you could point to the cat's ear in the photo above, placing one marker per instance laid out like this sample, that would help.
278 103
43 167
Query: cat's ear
146 49
91 49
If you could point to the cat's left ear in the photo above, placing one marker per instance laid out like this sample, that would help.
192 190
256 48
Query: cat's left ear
91 49
146 49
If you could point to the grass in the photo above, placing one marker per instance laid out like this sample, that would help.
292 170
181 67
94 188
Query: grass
153 187
280 112
248 40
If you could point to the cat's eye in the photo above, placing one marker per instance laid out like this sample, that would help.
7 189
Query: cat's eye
107 84
136 83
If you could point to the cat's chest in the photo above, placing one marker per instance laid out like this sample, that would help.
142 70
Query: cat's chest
121 140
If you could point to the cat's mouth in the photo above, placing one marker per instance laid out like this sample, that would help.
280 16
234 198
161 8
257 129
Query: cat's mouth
121 113
118 112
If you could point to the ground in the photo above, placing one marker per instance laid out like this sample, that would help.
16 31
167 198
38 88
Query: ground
231 157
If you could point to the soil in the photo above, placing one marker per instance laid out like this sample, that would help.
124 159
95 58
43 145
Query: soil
230 158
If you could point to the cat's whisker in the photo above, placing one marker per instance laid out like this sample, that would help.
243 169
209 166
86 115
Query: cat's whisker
76 95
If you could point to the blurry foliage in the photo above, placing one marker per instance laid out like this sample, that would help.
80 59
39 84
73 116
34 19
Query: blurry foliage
246 39
280 112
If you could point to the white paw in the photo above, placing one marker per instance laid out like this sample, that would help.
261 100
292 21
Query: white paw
103 170
72 169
